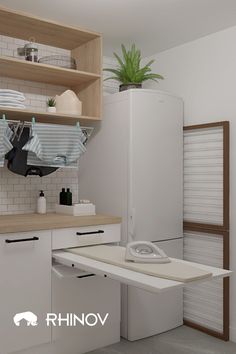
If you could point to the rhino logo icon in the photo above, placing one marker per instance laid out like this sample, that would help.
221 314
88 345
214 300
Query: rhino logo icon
28 316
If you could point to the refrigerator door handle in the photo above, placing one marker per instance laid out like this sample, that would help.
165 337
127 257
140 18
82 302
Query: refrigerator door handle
132 223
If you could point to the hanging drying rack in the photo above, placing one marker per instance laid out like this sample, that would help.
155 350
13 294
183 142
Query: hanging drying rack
15 124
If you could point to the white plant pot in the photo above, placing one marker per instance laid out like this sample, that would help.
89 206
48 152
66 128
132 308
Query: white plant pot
51 109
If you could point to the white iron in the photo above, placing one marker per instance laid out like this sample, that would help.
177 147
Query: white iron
145 252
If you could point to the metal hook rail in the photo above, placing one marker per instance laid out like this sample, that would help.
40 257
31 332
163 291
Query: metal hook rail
15 124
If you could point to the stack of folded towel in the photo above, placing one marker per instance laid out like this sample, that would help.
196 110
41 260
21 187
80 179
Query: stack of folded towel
12 99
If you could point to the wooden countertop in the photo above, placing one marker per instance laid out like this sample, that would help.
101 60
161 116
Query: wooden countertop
36 222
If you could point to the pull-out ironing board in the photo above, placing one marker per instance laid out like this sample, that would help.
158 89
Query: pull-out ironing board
110 261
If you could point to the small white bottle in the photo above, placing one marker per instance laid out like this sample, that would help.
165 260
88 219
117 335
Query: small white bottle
41 204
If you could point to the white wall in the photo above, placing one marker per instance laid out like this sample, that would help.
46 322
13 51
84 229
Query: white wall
109 86
203 73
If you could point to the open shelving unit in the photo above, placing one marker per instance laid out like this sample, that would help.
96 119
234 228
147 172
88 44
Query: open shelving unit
85 47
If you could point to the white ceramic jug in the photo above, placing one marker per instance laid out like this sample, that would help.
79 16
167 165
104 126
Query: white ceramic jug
68 103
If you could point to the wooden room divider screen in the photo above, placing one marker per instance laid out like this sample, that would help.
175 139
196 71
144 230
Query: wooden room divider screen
206 223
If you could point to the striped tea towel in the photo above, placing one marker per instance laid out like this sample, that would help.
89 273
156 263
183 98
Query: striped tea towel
33 160
55 145
5 144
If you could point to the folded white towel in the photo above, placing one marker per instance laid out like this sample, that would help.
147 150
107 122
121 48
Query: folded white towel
11 98
11 92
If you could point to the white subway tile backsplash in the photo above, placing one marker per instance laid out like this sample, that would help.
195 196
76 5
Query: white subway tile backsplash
12 195
18 187
3 195
18 200
19 194
12 207
110 86
3 208
6 201
4 45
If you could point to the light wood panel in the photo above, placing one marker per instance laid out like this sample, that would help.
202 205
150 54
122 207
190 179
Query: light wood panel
25 70
45 117
25 26
89 56
34 222
91 96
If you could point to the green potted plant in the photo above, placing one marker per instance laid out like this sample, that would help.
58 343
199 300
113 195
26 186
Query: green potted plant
129 72
51 105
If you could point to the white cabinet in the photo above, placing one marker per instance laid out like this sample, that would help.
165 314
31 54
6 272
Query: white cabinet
80 296
82 293
25 283
85 236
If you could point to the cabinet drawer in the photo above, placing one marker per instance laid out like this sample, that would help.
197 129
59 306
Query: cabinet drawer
85 236
86 295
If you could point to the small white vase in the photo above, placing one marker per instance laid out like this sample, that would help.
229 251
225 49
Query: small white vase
51 109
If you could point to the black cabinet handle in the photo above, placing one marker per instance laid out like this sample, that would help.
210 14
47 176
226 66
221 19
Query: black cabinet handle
23 240
90 233
85 276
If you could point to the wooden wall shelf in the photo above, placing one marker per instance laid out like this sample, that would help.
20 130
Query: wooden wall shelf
85 48
26 70
24 26
45 117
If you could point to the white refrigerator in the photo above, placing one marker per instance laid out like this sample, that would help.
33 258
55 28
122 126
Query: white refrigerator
133 168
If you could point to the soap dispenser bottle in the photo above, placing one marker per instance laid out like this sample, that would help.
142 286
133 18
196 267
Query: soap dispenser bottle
63 196
68 197
41 204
